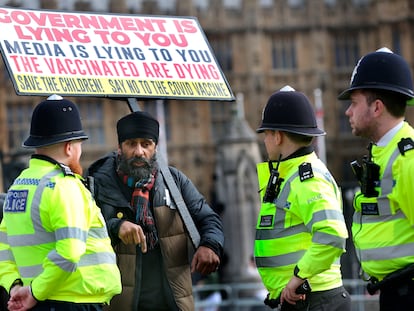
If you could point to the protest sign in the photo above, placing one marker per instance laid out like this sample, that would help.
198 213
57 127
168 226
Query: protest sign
110 55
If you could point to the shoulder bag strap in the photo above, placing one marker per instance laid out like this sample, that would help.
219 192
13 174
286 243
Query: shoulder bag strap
179 201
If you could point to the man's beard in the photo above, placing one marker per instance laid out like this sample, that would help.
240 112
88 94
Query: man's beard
144 170
76 167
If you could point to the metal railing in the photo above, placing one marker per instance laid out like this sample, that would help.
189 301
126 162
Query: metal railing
250 296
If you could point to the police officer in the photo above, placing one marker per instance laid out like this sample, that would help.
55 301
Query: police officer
55 252
300 232
383 221
4 295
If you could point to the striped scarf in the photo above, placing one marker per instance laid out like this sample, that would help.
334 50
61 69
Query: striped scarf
141 205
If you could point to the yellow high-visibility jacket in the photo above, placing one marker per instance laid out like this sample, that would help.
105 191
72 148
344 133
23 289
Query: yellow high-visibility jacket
54 237
382 227
303 227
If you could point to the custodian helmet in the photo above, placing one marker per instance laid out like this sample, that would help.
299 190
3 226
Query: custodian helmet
383 70
290 111
54 120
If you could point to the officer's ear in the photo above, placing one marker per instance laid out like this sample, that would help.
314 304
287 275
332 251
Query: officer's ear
69 146
378 107
279 137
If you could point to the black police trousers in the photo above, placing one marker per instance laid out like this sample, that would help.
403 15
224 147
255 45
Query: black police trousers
337 299
399 296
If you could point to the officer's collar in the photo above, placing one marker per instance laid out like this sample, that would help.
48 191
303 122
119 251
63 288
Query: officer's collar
300 152
384 140
45 158
65 169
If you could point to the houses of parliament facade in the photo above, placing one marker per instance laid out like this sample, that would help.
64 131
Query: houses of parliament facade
261 46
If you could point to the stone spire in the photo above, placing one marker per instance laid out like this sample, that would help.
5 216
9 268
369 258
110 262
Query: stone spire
237 189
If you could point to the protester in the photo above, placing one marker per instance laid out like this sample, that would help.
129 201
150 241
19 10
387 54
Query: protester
145 226
55 252
383 221
300 232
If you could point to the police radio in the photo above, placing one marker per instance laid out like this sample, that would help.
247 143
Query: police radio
273 185
367 174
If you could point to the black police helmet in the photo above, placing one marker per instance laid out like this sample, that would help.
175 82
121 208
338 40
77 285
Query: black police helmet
383 70
54 120
290 111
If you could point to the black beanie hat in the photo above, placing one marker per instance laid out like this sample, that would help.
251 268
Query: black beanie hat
138 124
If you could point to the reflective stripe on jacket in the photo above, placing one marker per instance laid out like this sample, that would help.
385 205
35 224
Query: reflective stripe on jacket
304 227
56 237
382 227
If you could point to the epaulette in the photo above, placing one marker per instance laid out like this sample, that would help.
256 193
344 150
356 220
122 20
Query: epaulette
405 144
305 171
66 170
